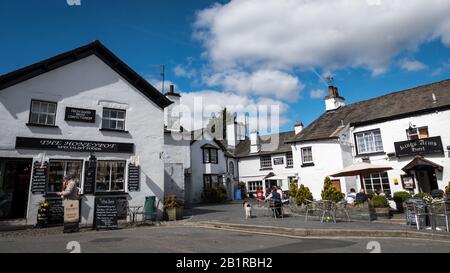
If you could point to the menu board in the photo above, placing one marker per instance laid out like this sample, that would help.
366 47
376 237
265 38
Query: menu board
56 212
134 177
105 213
40 178
89 176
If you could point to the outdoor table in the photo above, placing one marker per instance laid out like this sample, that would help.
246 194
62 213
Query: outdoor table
134 210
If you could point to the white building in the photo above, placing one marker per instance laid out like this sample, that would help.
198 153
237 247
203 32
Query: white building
59 114
407 130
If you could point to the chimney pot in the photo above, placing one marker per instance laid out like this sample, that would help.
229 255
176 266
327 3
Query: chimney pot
172 89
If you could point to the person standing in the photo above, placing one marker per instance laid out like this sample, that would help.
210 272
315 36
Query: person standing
71 203
275 199
70 189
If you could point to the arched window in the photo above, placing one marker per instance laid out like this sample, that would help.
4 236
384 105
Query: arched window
231 169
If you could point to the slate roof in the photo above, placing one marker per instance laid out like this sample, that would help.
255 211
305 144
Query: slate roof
270 144
410 102
95 48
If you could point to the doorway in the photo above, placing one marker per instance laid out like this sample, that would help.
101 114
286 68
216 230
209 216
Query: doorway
427 179
15 175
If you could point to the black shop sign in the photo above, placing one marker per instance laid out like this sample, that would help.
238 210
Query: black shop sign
134 177
73 145
432 145
80 115
40 178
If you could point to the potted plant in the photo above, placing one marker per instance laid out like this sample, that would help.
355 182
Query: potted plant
173 208
303 194
426 197
381 206
399 198
447 190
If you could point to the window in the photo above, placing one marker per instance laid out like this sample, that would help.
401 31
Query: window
110 176
378 182
58 169
253 186
113 119
210 181
210 156
231 169
266 161
43 113
417 133
369 142
307 156
289 159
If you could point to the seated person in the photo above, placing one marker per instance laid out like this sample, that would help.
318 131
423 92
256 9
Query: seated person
361 197
351 197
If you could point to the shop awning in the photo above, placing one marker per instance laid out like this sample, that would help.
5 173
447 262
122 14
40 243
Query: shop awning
362 168
420 162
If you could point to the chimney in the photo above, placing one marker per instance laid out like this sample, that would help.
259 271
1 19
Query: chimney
333 101
298 127
254 142
172 120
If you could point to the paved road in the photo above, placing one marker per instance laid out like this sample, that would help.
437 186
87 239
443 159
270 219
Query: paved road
194 240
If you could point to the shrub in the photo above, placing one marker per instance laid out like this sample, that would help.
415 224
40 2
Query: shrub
215 195
171 201
380 201
243 188
447 190
303 194
330 192
401 196
293 189
424 196
370 194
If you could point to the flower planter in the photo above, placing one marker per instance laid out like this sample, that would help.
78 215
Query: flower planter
173 214
382 213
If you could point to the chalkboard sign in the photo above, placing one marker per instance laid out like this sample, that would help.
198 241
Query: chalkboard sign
56 212
105 213
134 175
40 178
89 175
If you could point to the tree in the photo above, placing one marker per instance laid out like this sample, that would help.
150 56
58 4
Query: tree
303 194
330 192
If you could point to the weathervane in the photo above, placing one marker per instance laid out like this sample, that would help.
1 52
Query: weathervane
330 80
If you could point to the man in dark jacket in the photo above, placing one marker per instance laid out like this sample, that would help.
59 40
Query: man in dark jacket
275 202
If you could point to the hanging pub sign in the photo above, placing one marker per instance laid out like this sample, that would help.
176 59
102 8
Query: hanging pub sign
80 115
40 178
134 177
408 182
73 145
432 145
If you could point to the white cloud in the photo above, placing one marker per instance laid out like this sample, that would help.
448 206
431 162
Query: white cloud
442 69
199 106
265 83
412 65
317 94
286 34
181 71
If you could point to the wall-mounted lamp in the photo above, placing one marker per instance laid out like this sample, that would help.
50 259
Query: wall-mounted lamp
411 126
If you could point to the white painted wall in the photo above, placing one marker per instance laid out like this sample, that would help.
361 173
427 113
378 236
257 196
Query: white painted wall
85 84
395 131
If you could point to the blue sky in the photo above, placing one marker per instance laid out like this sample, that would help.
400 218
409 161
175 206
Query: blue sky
261 51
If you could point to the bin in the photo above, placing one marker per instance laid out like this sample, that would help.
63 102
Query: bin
238 195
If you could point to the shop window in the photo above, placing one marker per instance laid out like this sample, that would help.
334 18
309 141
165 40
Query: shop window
253 186
417 133
210 155
266 162
110 176
210 181
113 119
378 182
307 156
369 142
42 113
289 160
58 169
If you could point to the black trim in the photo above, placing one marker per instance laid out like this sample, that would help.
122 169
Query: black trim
114 130
111 193
266 169
370 154
305 165
31 107
41 125
95 48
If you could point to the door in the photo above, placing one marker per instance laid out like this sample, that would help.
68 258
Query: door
337 184
15 178
427 180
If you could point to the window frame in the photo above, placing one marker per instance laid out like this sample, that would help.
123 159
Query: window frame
289 160
417 129
252 186
79 185
303 155
268 158
381 182
115 119
357 144
208 151
110 177
39 113
210 176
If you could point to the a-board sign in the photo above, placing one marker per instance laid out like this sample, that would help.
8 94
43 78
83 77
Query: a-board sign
105 213
56 212
134 177
71 215
40 178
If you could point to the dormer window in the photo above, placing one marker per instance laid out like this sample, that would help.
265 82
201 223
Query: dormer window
417 133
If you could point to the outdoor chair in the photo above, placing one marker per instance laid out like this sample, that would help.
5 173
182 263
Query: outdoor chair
312 206
149 212
440 210
328 209
416 213
343 207
276 208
